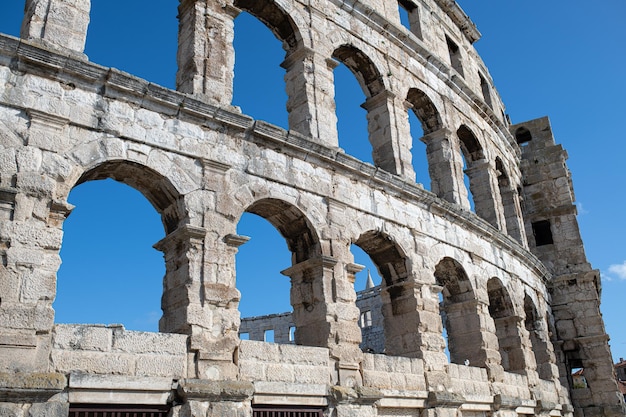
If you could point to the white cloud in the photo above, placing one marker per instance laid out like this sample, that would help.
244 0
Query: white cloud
619 270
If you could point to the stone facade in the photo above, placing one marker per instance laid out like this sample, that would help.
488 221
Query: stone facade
520 301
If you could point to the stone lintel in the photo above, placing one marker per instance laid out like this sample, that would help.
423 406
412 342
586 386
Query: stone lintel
116 389
322 261
208 390
30 387
60 210
283 393
215 166
185 232
501 401
403 399
378 100
235 240
47 120
477 405
357 395
444 399
354 268
297 55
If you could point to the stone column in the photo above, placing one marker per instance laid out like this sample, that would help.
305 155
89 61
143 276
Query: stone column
512 349
325 314
57 23
413 325
472 336
382 126
446 172
513 215
484 188
206 57
197 304
311 95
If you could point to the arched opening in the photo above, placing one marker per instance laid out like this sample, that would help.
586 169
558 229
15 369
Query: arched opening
539 338
506 322
138 49
471 152
263 90
107 247
305 275
259 85
110 272
459 314
376 105
351 117
398 302
265 292
367 285
423 119
510 203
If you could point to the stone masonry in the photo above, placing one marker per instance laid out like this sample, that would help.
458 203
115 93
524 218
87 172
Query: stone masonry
519 301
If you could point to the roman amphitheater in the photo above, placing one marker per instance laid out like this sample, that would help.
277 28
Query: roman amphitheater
485 309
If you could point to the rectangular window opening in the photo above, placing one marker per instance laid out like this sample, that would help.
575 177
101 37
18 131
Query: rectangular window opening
455 56
268 335
410 17
542 232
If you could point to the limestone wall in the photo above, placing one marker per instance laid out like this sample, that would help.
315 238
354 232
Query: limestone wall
202 164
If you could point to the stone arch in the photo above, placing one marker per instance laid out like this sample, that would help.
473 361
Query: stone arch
159 191
425 110
506 320
510 203
379 105
275 18
470 146
302 239
423 161
481 176
308 273
398 300
168 202
363 68
537 328
459 309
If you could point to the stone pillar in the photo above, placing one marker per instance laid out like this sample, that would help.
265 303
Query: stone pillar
201 397
446 172
30 239
513 215
382 125
325 314
57 23
472 336
512 349
197 304
206 57
413 325
484 188
311 95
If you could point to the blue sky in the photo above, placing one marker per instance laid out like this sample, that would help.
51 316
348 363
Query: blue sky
564 59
